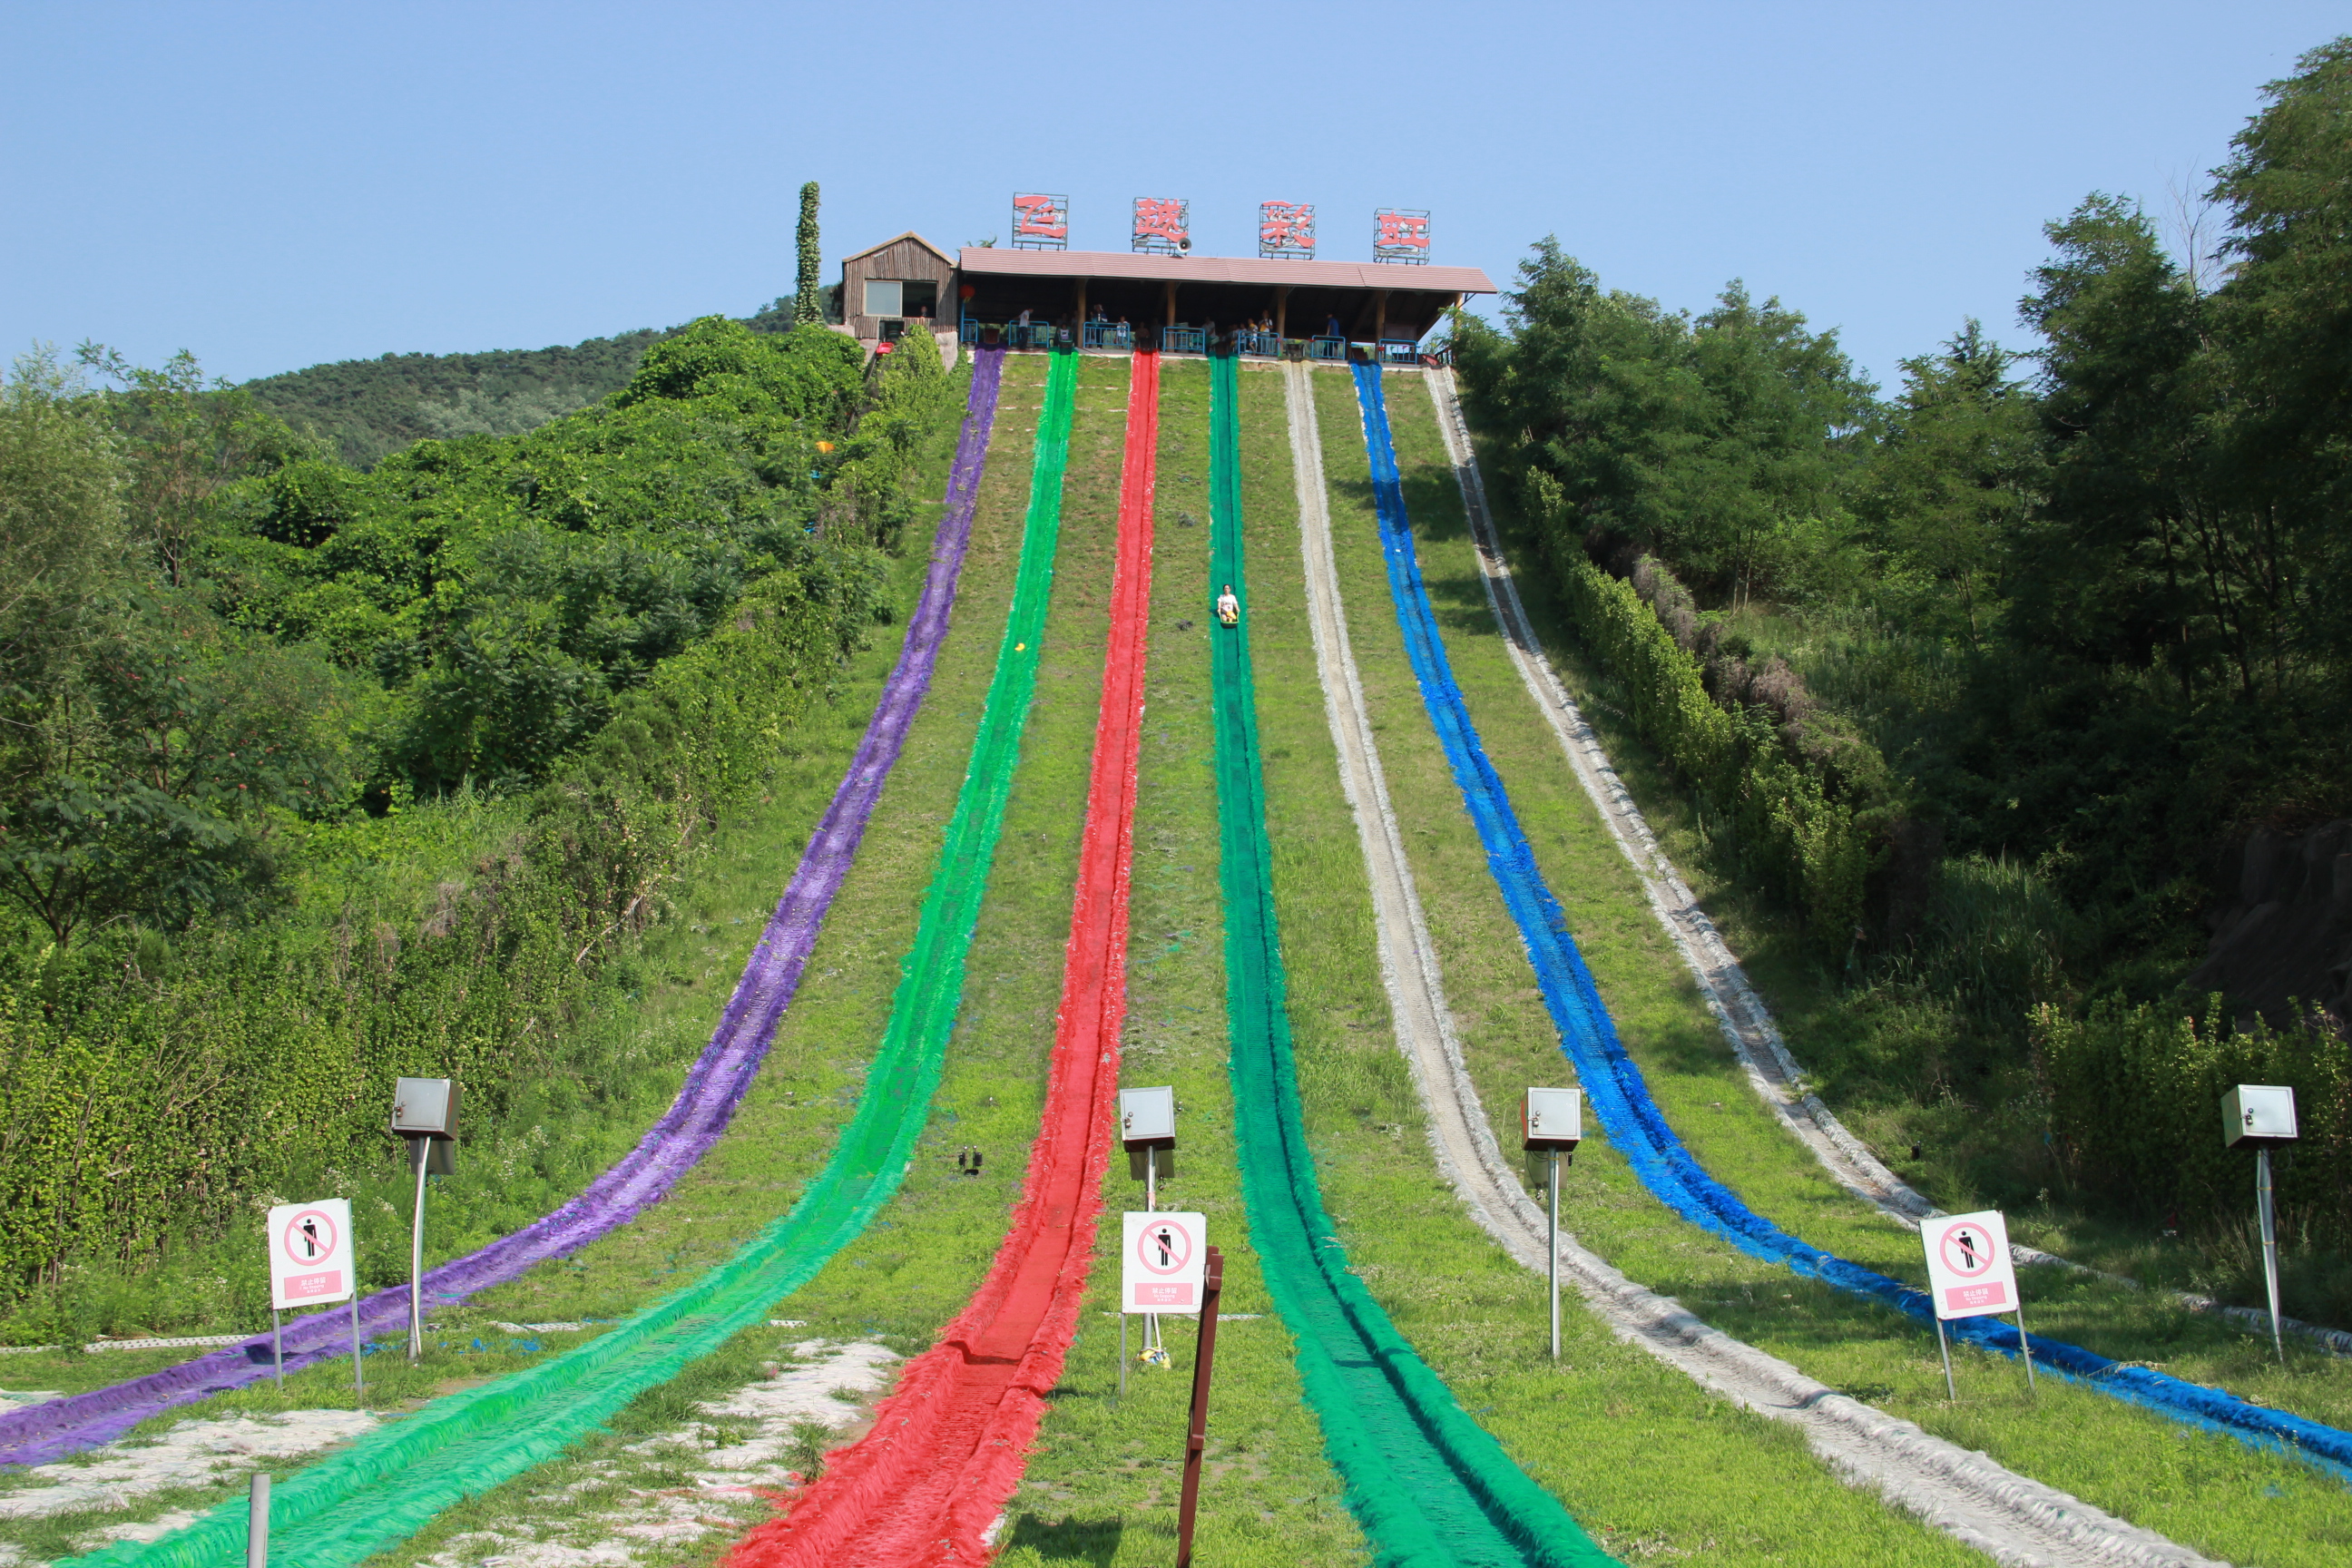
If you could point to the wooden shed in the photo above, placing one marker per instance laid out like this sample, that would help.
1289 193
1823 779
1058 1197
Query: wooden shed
899 280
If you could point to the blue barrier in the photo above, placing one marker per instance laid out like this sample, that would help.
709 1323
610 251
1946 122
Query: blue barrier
1333 349
1110 335
1184 340
1621 1097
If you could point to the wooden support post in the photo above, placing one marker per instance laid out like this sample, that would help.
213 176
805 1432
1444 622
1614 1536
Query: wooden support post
1282 312
1196 1436
1380 317
1171 302
1082 309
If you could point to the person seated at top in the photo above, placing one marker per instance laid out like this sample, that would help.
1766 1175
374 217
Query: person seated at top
1098 315
1229 609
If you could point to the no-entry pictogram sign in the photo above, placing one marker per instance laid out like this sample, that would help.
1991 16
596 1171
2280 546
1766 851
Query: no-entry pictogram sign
309 1253
1160 1262
1970 1271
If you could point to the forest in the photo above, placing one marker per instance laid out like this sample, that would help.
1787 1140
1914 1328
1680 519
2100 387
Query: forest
311 776
2024 689
368 409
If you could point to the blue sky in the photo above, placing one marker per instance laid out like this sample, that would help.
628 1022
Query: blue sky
273 185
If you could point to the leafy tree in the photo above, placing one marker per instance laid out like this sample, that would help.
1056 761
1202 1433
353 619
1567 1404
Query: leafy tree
185 437
1958 461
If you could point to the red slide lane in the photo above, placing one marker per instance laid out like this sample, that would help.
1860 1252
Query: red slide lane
923 1487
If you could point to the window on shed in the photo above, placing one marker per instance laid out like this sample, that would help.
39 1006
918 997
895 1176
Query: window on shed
885 297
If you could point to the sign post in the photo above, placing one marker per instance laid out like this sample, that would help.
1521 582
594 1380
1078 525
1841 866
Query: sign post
1147 1130
2261 1117
424 1112
1160 1259
1971 1274
1551 1121
1196 1433
311 1265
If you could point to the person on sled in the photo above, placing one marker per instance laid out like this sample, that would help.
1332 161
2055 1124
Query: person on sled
1229 609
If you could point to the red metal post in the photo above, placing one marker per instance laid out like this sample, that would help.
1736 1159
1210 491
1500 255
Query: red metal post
1196 1436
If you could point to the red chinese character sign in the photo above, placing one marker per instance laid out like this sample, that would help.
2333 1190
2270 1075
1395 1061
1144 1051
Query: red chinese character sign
1041 222
1286 228
1400 233
1163 226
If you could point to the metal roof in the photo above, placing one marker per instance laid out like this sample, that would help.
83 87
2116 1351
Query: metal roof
1150 269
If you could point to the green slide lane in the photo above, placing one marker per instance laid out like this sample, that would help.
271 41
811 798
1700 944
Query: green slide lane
1431 1488
391 1482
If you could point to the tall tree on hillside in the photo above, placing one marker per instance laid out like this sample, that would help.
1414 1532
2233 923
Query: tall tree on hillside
808 293
1957 465
2287 317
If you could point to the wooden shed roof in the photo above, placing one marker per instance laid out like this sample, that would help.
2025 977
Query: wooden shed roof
894 240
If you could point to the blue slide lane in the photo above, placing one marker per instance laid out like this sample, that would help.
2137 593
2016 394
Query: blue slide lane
1619 1096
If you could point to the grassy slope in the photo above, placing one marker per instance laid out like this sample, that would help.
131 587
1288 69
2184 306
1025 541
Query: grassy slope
2206 1489
1640 1456
690 964
1102 1485
913 1269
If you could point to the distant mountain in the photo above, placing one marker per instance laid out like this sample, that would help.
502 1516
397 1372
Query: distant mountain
372 407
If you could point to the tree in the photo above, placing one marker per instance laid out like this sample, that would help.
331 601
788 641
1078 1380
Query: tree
808 300
1958 463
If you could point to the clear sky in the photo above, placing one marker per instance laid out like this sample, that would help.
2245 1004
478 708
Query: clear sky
272 185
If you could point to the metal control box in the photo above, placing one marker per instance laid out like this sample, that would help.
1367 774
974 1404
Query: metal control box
2258 1116
425 1107
1552 1119
1145 1117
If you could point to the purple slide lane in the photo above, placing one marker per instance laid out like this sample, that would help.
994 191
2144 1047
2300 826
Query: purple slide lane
715 1084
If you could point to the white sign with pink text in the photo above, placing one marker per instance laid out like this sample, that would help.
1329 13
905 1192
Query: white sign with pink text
310 1253
1969 1270
1161 1262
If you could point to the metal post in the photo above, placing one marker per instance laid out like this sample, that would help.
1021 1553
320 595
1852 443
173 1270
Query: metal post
2269 1245
2025 1352
1196 1436
1554 1250
359 1377
257 1523
1946 1346
277 1347
1122 1349
416 1259
1151 1205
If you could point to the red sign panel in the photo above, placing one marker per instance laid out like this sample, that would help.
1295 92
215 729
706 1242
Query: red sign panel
1286 228
1163 226
1041 222
1400 233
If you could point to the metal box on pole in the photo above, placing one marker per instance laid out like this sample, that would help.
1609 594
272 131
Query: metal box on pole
1551 1124
425 1113
2261 1117
2258 1116
1147 1130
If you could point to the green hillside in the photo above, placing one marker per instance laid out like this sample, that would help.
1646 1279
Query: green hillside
370 408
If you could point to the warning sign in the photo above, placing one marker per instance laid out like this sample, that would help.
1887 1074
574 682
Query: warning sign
1161 1263
310 1253
1970 1271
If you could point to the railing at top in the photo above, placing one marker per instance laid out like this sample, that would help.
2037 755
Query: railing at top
1184 339
1110 335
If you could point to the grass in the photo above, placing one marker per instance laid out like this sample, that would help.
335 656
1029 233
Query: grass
1101 1488
691 962
1649 1463
2203 1488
